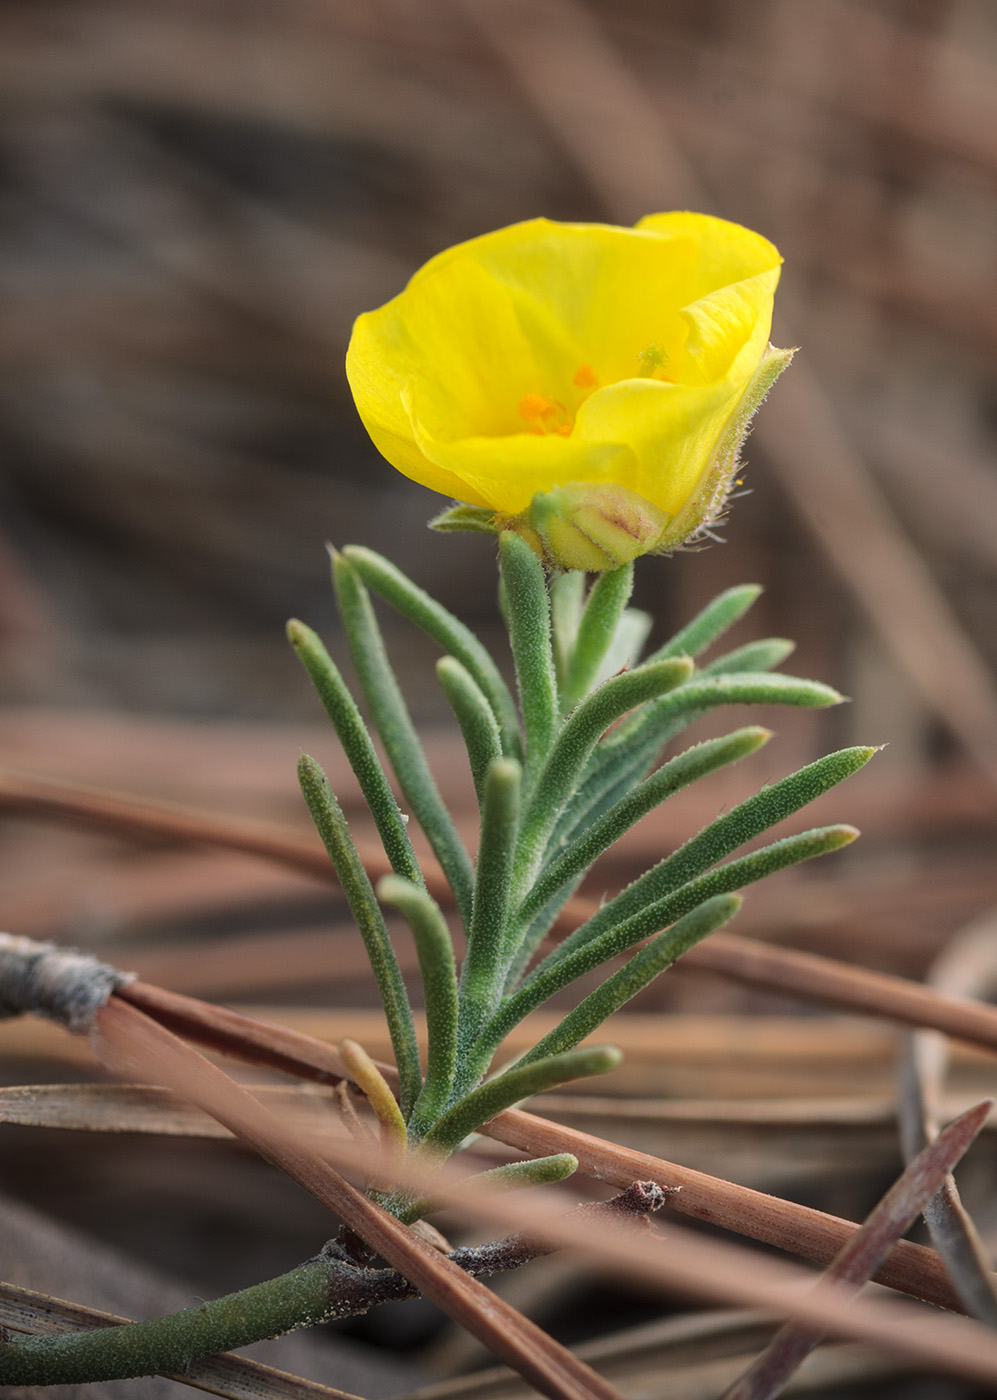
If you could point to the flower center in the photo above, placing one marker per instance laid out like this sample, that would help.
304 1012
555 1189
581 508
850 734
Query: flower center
547 416
550 415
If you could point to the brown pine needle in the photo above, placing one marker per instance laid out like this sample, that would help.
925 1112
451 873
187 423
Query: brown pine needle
890 1219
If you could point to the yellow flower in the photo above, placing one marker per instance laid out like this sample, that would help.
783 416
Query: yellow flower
586 385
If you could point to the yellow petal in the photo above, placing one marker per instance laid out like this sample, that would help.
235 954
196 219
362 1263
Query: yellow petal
630 349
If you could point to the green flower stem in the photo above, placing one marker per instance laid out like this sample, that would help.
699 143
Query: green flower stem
556 972
389 583
764 655
439 984
567 599
724 835
510 1176
303 1296
352 734
512 1086
394 724
725 609
527 607
596 629
331 824
475 717
635 975
481 974
674 775
578 737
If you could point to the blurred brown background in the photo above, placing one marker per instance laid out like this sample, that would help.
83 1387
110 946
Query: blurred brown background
199 197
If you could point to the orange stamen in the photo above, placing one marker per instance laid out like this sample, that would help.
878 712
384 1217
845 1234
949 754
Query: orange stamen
585 377
535 408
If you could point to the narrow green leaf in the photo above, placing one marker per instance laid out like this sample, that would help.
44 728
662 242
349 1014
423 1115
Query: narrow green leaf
597 627
439 986
557 971
567 598
635 975
394 724
389 583
627 644
709 624
704 693
672 777
481 975
736 827
578 737
358 747
475 717
527 608
512 1086
510 1176
633 747
332 827
763 655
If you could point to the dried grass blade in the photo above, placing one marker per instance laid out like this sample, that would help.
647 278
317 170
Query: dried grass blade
894 1214
233 1377
127 1036
138 1108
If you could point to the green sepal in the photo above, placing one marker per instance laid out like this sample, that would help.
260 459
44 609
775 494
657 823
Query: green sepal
478 520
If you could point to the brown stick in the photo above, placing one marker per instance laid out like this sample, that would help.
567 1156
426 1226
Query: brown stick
132 1039
812 1234
725 1272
